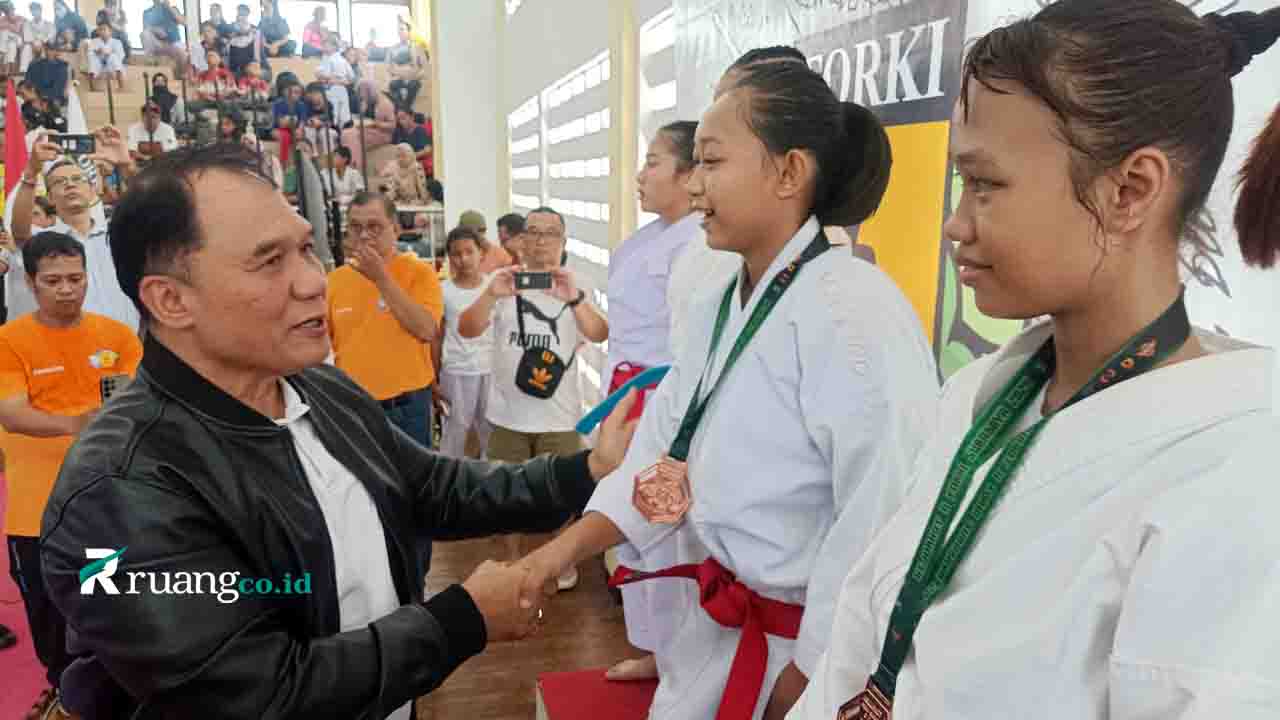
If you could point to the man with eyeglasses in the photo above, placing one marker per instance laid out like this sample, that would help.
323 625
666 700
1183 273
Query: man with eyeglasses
384 312
79 214
550 325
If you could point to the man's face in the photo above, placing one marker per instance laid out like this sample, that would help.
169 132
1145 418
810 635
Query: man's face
37 48
369 224
544 241
59 286
104 32
256 292
151 117
464 257
316 99
70 189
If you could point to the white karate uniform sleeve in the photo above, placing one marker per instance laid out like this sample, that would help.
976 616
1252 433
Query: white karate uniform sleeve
1198 636
657 428
862 434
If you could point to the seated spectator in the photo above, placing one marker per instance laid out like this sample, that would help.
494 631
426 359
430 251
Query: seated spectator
288 113
251 83
106 58
40 112
337 75
224 28
409 132
160 34
318 127
209 40
346 181
403 179
48 74
114 14
216 83
35 30
65 19
152 135
374 51
314 35
162 96
12 28
275 32
242 43
379 123
428 160
408 68
231 128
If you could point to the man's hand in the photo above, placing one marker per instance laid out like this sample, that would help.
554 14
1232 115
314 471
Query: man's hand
615 438
564 286
42 151
786 691
503 284
111 147
495 588
368 262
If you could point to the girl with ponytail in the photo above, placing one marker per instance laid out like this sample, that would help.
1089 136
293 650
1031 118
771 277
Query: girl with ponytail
1072 547
781 437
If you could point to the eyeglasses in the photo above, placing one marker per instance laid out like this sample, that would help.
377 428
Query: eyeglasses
540 235
358 230
59 182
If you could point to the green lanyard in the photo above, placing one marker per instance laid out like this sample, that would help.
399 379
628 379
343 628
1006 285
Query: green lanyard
772 294
938 556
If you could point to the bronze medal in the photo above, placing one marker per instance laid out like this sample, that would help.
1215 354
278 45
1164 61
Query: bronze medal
870 704
662 491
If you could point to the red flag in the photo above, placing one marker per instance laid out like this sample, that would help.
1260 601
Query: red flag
15 141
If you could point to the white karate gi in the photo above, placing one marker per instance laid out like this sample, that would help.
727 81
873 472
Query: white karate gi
336 66
1109 581
803 452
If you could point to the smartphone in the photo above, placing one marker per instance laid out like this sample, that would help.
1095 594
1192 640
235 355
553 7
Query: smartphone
533 280
112 385
75 144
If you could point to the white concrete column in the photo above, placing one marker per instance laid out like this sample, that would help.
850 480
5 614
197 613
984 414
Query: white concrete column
467 57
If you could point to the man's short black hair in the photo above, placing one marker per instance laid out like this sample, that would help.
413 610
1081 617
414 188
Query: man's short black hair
50 244
549 211
369 197
460 233
343 152
154 227
512 222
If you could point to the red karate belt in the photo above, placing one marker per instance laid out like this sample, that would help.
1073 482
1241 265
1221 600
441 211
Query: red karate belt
622 373
733 605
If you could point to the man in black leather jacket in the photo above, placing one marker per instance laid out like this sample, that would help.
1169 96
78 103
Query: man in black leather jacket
199 466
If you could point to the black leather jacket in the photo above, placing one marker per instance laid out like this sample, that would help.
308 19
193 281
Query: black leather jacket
187 478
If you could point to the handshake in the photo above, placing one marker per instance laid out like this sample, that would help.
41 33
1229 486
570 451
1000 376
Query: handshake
511 596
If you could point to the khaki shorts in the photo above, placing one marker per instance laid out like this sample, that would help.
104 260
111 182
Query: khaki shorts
513 446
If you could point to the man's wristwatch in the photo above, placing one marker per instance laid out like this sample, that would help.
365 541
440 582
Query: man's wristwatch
578 300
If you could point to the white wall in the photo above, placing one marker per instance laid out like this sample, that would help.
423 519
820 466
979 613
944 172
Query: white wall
468 53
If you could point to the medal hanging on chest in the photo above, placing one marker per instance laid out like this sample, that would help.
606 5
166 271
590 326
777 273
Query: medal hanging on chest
662 493
940 552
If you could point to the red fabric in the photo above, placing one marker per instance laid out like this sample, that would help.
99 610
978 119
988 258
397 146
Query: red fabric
15 141
621 375
733 605
588 695
286 143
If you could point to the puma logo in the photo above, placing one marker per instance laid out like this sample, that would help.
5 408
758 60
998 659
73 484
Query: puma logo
552 323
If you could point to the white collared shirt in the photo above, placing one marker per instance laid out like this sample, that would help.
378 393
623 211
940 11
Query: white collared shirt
361 568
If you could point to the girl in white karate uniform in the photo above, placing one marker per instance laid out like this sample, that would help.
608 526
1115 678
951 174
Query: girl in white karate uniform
815 383
1058 555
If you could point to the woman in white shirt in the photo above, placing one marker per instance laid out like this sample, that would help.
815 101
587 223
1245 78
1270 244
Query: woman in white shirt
782 436
1074 583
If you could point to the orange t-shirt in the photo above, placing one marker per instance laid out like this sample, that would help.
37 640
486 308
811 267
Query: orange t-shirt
59 370
369 344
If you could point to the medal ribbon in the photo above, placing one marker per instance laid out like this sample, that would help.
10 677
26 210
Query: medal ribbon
772 294
938 556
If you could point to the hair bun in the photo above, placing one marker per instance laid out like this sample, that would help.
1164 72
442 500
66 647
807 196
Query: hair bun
864 168
1245 35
